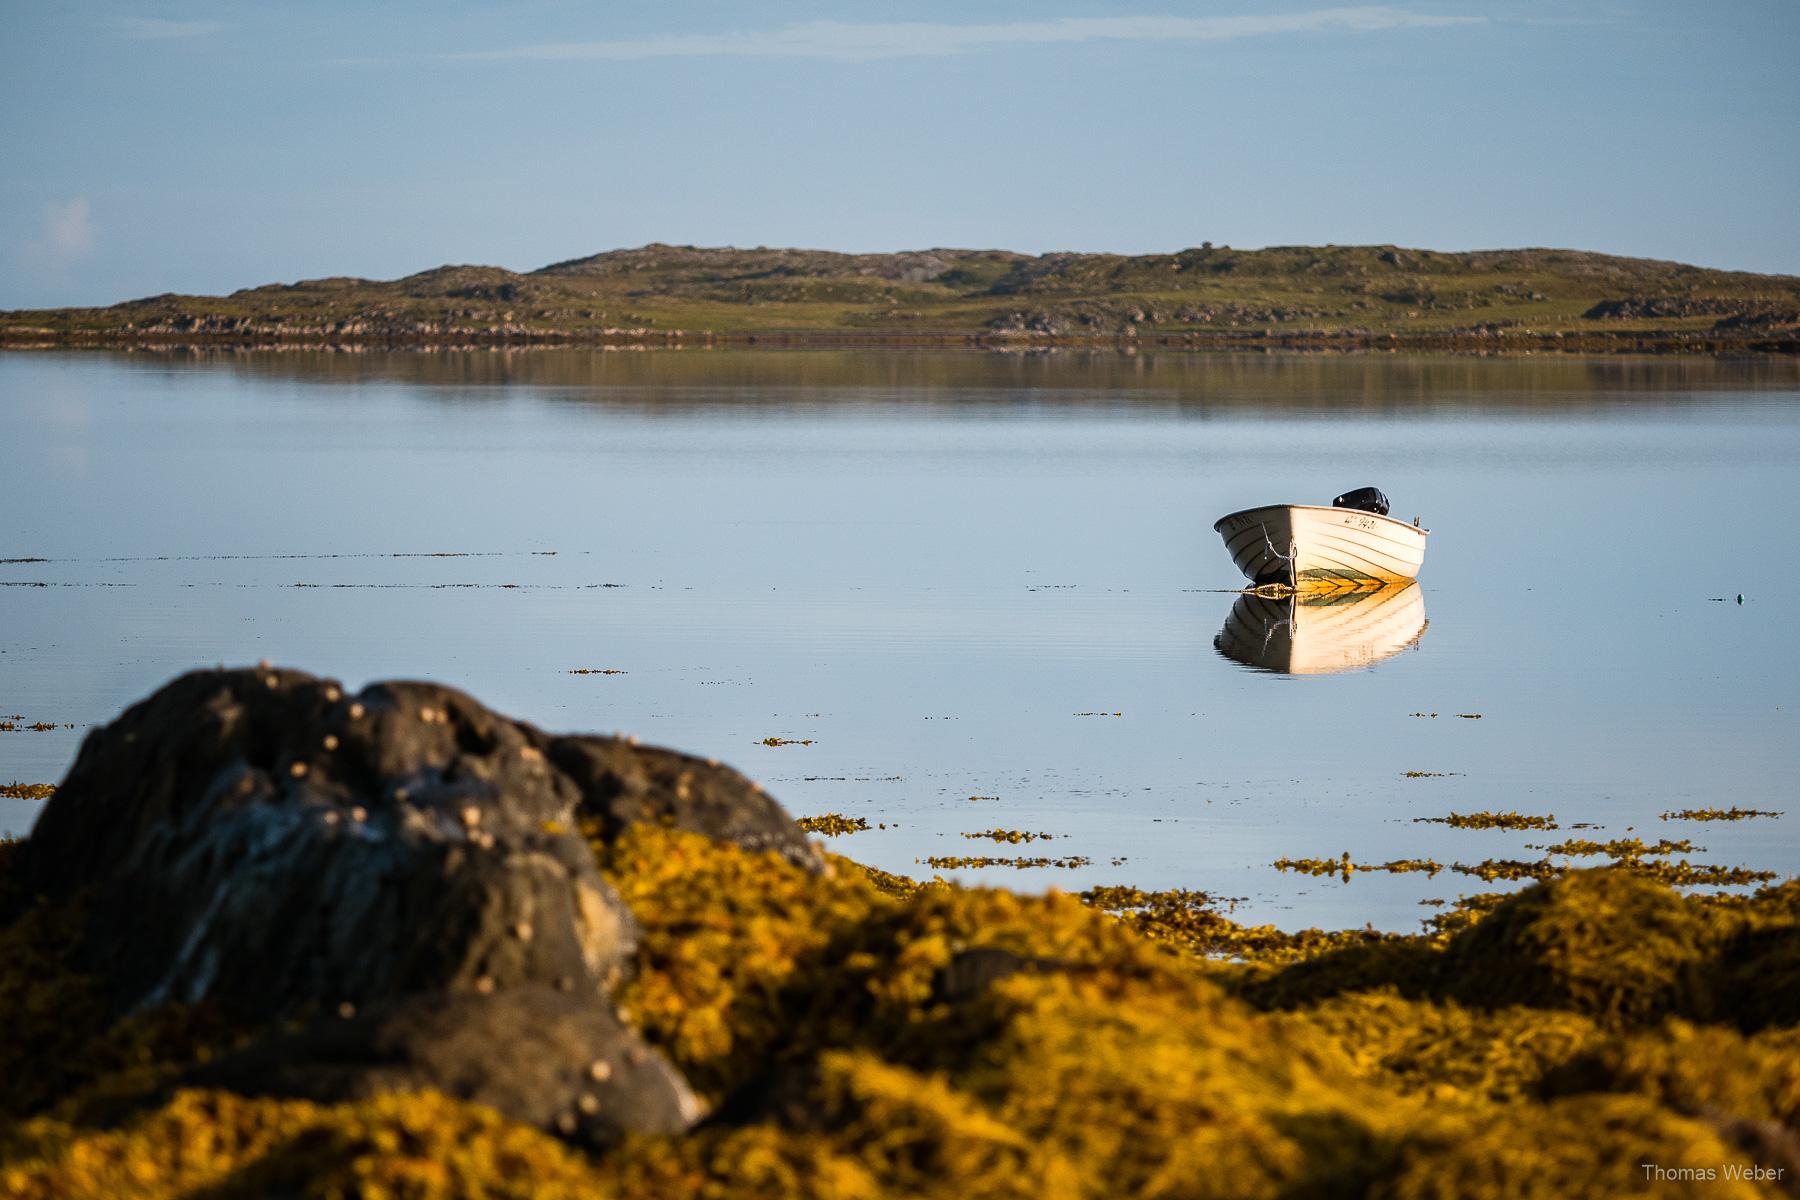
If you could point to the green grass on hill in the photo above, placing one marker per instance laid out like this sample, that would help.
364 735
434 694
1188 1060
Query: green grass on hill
679 292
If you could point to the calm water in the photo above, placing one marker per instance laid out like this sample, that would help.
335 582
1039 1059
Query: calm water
933 564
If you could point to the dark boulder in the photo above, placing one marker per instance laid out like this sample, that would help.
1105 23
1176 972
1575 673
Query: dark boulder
266 839
554 1059
286 850
621 782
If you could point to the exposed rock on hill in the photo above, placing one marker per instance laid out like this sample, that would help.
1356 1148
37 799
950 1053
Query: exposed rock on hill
1639 307
689 264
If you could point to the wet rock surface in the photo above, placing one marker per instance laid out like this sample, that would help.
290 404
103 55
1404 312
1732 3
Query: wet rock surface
270 840
264 839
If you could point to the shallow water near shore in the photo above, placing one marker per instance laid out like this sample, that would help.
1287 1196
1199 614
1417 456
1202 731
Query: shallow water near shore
944 575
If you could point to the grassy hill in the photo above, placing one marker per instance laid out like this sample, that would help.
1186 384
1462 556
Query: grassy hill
1204 295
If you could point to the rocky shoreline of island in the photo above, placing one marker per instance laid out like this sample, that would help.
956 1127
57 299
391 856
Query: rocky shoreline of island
1475 342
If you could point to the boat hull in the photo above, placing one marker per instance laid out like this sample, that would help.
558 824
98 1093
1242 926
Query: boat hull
1308 545
1321 631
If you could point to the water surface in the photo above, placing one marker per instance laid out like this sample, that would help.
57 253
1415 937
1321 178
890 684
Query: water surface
959 574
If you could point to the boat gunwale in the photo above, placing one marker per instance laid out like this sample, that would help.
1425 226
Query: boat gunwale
1418 529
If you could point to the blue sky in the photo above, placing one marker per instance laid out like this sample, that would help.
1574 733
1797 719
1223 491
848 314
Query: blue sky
208 146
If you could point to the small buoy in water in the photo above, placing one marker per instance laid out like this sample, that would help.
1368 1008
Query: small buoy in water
1740 597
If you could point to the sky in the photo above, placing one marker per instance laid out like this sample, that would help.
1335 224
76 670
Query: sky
203 147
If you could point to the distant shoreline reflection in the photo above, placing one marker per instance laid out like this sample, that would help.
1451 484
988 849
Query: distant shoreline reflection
1323 632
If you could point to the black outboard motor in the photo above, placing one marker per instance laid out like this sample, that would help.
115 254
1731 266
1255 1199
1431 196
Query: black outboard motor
1367 499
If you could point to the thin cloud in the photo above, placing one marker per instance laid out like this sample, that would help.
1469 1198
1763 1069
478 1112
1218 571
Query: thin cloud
69 232
848 42
160 29
64 237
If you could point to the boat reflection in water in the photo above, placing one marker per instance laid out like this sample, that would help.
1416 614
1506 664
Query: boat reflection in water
1320 631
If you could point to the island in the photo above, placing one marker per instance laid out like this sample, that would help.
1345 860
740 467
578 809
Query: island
1205 297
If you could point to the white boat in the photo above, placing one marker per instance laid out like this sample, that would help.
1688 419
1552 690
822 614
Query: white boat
1306 545
1324 630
